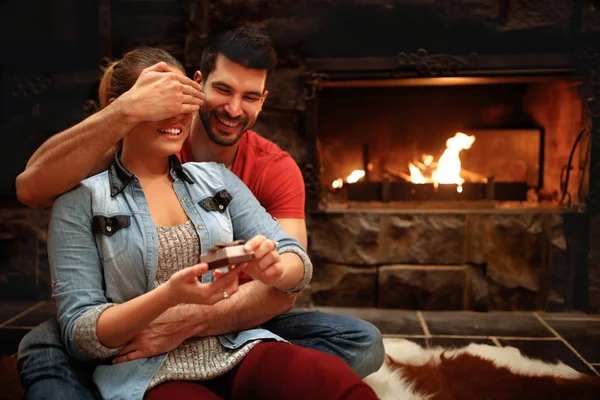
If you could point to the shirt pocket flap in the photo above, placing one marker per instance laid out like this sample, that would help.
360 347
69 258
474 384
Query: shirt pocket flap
218 202
108 226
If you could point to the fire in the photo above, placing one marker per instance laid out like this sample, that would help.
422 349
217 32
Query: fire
448 166
415 174
354 177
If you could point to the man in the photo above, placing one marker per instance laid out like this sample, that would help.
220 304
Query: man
233 75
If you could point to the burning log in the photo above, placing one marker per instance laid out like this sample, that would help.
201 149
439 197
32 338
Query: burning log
407 191
444 180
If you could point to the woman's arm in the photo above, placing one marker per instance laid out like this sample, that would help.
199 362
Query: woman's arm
76 269
119 324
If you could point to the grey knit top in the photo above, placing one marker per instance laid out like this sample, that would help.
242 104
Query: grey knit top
196 359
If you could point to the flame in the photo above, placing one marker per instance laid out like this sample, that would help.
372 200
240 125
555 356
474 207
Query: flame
355 176
415 174
448 166
448 169
427 159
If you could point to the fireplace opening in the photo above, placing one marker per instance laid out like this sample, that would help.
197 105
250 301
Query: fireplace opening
484 142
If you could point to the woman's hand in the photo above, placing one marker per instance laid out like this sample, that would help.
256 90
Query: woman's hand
184 286
267 265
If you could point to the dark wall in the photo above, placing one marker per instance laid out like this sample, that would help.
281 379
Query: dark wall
49 67
52 52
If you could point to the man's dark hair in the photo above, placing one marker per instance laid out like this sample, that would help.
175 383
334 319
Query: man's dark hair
245 46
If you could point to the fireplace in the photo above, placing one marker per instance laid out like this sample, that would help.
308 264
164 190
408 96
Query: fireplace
465 142
447 182
505 139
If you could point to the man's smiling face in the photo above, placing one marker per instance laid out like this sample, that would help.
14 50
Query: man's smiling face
234 98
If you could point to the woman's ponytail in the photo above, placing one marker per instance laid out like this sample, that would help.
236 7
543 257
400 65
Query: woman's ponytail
104 92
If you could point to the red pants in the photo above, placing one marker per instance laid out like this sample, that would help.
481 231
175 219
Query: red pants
274 370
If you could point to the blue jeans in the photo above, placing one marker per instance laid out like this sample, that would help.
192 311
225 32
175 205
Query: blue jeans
47 371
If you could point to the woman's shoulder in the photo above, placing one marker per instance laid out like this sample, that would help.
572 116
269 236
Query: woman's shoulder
96 180
85 190
203 166
208 173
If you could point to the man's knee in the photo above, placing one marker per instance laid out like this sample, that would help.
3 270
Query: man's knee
45 368
370 352
41 354
355 341
359 343
41 338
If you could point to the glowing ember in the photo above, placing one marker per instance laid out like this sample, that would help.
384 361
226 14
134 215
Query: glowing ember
448 166
338 183
355 176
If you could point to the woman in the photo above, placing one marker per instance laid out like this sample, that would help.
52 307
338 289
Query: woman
124 247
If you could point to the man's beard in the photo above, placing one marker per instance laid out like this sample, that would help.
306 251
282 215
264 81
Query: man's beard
222 140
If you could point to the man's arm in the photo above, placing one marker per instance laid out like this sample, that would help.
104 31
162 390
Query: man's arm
296 228
68 157
253 304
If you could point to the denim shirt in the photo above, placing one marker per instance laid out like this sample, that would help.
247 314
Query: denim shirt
103 248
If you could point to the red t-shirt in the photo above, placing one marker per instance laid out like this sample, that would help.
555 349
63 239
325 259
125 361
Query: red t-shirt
269 172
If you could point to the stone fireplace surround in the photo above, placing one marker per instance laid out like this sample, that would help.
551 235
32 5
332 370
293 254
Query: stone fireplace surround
454 256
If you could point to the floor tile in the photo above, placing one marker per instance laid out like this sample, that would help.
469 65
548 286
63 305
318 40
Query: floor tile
456 343
9 340
399 322
37 316
550 351
583 335
9 309
485 324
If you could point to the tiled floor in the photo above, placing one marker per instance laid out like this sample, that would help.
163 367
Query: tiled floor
572 338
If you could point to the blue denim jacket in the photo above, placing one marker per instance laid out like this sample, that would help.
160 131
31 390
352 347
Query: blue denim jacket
103 248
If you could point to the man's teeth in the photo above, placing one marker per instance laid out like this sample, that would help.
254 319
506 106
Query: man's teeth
170 131
227 122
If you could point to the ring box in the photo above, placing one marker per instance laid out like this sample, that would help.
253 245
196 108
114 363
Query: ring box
226 254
